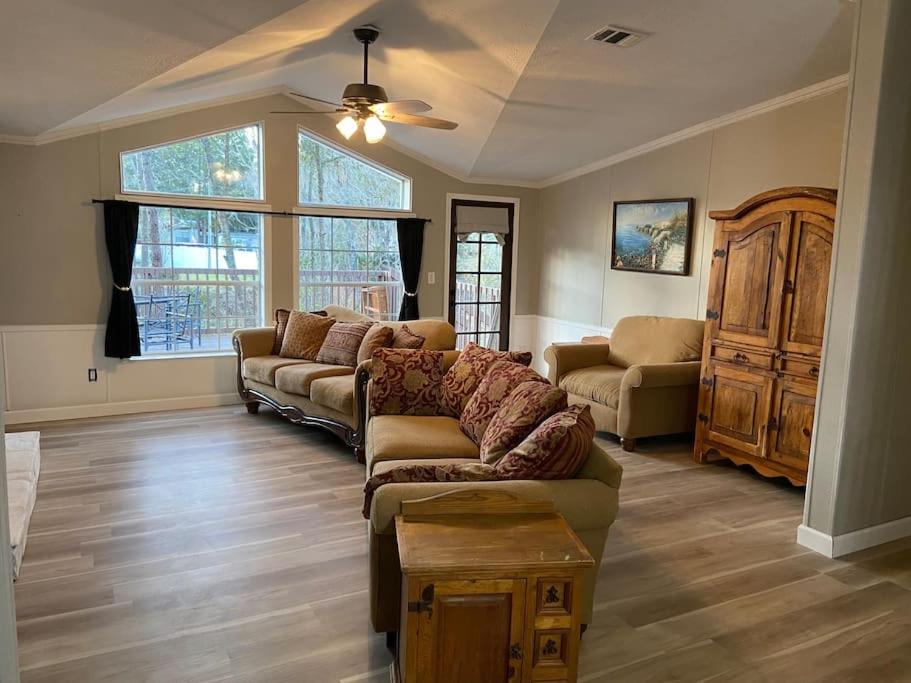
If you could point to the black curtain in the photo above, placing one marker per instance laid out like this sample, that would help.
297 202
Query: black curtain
411 247
121 225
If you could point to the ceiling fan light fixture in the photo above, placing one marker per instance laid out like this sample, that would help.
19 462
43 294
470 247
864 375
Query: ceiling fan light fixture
347 126
374 130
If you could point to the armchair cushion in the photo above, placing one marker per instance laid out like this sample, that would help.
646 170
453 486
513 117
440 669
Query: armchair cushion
598 383
407 437
498 383
463 378
263 368
405 382
296 379
649 339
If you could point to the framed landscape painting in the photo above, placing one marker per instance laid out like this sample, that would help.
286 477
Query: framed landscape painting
653 236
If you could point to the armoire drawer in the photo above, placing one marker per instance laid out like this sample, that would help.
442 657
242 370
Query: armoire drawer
800 366
742 356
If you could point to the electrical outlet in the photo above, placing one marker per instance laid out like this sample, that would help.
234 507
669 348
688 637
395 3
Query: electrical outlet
93 374
431 278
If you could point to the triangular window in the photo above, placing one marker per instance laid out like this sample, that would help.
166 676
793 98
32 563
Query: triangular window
226 165
331 176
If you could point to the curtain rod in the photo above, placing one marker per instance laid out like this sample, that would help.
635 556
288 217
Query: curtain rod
263 212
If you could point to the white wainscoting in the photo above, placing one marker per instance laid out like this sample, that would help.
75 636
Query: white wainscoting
46 371
536 332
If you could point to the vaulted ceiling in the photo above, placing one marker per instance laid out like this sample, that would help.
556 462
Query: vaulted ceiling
533 97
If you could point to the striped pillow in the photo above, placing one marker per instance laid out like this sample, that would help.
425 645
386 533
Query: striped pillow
557 449
341 345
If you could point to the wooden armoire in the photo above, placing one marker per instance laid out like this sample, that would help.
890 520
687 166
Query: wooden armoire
764 325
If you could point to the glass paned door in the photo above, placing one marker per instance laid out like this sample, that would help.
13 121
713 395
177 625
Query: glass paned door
480 277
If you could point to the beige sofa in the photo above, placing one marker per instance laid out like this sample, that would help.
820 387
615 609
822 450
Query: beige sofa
315 394
643 383
589 502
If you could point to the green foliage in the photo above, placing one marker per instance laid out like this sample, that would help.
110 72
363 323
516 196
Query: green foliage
328 176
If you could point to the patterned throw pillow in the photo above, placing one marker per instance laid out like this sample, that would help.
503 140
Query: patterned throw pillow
405 382
497 384
379 337
525 408
304 335
461 380
341 345
404 338
557 449
281 324
424 473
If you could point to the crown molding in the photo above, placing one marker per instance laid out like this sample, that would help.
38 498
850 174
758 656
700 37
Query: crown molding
810 92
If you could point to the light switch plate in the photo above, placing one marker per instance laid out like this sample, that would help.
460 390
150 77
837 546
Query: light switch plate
431 278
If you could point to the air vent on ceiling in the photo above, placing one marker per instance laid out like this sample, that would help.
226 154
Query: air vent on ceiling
617 36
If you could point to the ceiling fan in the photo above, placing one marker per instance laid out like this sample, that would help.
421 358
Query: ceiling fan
367 104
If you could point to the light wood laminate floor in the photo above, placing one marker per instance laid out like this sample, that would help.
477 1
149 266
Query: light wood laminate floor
212 545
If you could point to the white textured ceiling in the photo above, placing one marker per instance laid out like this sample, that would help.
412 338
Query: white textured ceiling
533 98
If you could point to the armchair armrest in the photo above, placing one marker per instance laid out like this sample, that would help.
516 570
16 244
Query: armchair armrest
254 341
563 358
661 375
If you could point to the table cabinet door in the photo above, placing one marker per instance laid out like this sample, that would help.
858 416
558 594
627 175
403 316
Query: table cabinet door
471 631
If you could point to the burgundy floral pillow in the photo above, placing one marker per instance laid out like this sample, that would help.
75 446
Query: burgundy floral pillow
498 383
525 408
405 382
425 473
462 379
556 449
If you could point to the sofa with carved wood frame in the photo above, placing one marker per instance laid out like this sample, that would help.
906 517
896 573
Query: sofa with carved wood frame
331 397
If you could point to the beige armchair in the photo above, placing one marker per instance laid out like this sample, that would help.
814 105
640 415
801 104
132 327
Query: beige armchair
644 382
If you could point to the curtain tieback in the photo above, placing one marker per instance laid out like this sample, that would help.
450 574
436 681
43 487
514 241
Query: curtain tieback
122 289
407 293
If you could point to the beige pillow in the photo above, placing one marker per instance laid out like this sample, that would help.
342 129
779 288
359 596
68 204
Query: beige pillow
304 335
378 337
404 338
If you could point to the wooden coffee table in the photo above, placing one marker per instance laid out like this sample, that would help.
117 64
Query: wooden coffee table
491 590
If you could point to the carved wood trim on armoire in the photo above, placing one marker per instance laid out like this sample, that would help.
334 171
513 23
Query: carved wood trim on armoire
764 325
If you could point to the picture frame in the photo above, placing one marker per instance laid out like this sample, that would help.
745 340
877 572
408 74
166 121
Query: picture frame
652 236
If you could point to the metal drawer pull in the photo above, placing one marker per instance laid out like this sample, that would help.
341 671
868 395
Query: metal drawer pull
740 358
814 371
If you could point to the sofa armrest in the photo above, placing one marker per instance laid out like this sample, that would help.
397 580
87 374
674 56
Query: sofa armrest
661 375
254 341
585 503
563 358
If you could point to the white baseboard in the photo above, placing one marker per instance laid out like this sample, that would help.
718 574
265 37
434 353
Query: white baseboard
122 408
853 541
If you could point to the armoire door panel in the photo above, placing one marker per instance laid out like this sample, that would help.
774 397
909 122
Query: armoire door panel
753 277
791 429
738 408
807 284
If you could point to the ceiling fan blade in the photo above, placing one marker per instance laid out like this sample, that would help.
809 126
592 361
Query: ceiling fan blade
425 121
400 107
329 113
315 99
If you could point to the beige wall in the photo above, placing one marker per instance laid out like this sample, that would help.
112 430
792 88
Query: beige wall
53 255
860 467
796 145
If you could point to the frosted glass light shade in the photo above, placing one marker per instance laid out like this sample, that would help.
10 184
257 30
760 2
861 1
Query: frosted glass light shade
374 130
347 127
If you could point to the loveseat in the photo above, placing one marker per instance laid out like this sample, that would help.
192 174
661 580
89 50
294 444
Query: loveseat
317 394
644 382
589 502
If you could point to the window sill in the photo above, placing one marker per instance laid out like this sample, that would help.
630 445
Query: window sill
182 356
